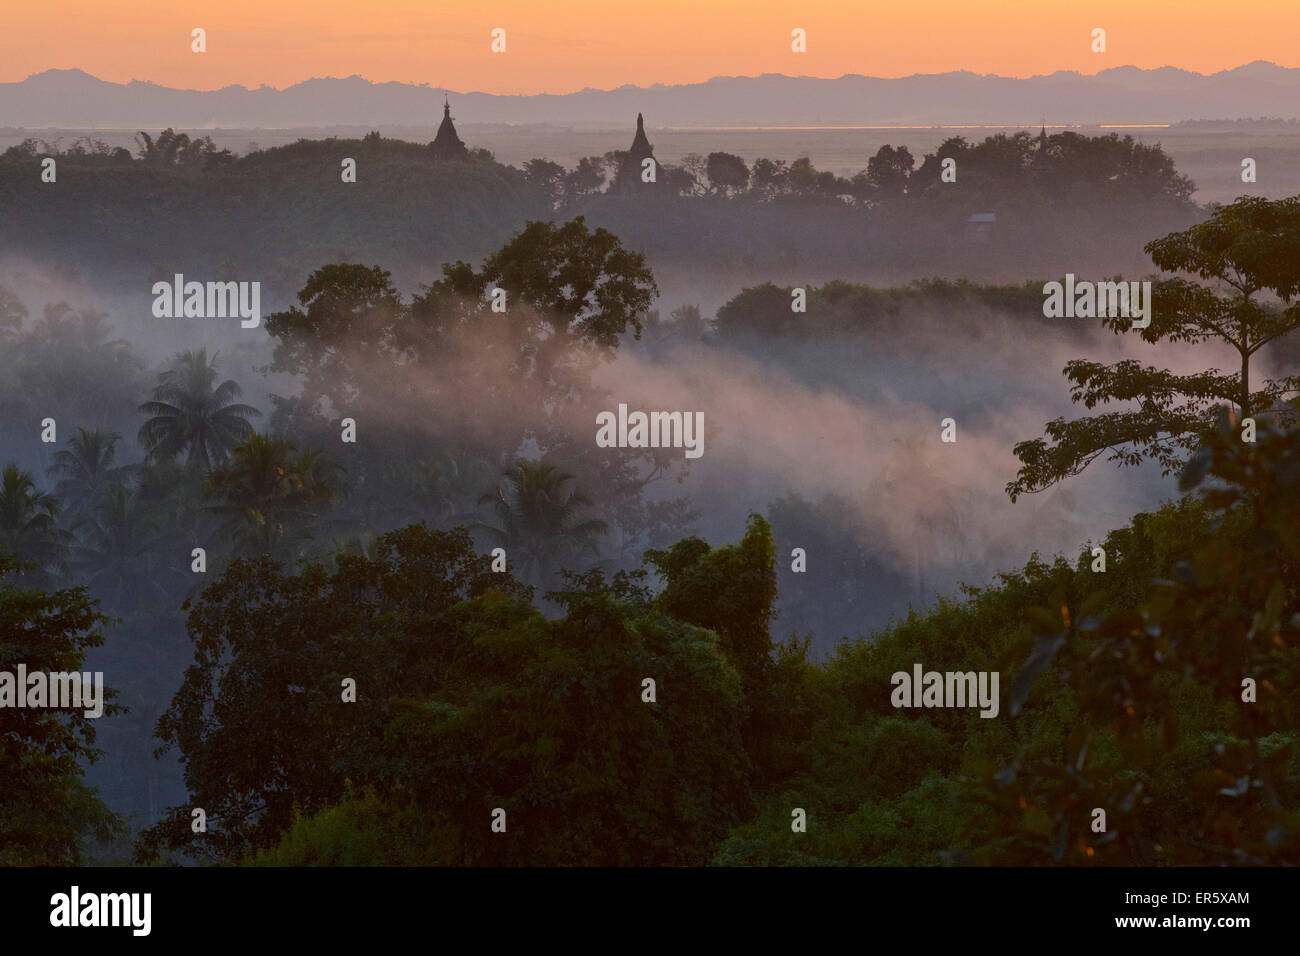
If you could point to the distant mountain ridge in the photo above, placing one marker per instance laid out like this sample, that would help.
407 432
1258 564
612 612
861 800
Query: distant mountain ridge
73 99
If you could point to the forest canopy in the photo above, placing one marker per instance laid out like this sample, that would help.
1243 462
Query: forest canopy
362 681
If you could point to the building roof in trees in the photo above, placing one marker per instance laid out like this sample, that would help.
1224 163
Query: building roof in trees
628 176
641 147
447 145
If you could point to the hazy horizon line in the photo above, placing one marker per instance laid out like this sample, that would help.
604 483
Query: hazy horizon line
652 86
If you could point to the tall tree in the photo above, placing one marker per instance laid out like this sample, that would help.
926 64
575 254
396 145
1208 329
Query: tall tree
47 814
257 717
86 470
540 522
581 283
1219 636
585 179
1249 252
468 699
28 527
695 167
271 497
190 414
889 171
727 173
565 285
572 292
547 176
350 316
805 180
769 178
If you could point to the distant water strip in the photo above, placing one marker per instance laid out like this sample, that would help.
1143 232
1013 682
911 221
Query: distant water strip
835 129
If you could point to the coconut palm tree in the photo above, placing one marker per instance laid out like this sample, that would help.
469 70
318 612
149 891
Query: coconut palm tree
85 470
28 527
119 550
269 496
189 416
539 523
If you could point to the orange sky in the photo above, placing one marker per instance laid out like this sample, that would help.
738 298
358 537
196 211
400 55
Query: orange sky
562 45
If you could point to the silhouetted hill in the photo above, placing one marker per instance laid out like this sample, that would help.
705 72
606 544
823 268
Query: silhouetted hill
279 213
1125 94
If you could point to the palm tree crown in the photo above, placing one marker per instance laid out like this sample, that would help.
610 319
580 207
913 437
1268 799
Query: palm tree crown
27 522
85 471
189 416
271 496
539 522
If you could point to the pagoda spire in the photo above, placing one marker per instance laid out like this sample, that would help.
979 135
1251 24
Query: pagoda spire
640 145
628 177
447 145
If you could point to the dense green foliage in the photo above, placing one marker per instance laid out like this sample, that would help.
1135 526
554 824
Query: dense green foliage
46 810
881 314
1115 695
468 700
1250 252
276 214
368 688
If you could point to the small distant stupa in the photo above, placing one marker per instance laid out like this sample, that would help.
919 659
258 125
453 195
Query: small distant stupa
447 145
628 178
